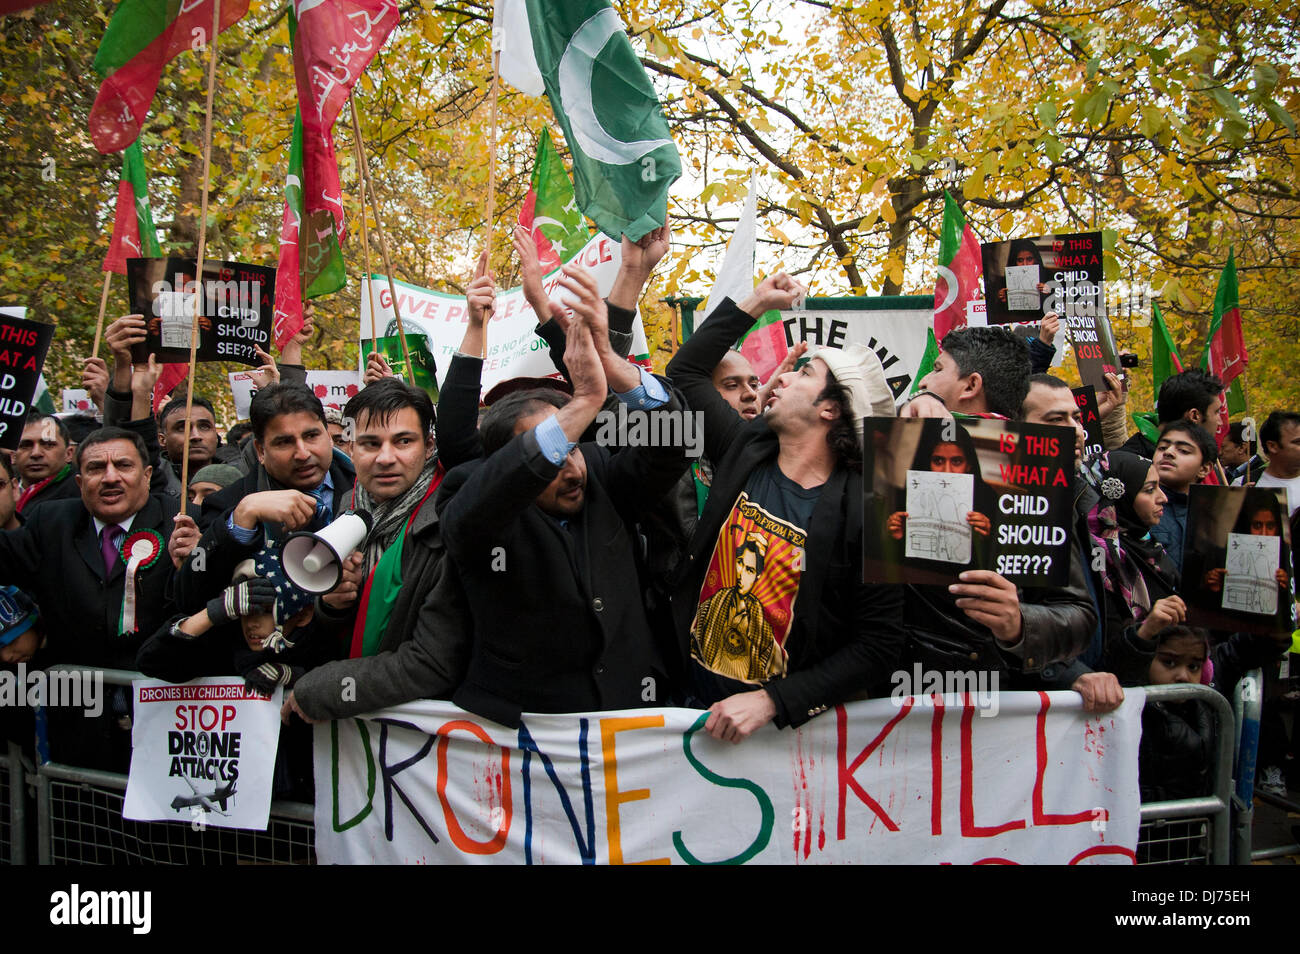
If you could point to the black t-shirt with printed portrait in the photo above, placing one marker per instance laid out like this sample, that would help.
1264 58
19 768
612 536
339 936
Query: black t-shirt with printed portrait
747 602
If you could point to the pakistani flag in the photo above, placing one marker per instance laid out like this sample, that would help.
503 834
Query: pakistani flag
42 400
624 159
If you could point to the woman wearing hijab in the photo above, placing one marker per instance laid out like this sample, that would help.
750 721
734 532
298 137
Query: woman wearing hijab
1140 578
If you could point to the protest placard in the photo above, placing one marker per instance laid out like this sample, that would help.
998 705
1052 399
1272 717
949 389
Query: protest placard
238 306
202 752
904 780
334 388
947 495
1069 284
76 400
23 346
1237 573
1085 399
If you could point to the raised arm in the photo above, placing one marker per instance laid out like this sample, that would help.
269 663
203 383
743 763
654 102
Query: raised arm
473 511
691 369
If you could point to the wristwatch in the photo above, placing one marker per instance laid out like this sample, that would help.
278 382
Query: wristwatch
180 633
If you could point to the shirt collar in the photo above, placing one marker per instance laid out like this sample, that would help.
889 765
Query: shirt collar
124 524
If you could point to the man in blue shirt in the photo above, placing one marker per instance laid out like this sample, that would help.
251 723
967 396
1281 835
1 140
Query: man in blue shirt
300 483
541 534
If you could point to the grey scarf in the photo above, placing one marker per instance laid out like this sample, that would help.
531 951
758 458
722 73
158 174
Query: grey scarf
390 516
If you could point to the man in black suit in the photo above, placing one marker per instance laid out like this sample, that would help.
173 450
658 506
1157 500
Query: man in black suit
300 483
542 538
75 560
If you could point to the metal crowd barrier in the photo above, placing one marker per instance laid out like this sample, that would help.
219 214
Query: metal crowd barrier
13 807
1247 701
79 821
1194 831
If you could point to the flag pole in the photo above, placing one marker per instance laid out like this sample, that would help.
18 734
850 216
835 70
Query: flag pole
365 232
383 243
492 175
103 307
203 238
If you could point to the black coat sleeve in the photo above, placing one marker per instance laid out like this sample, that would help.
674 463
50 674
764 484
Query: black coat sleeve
429 665
691 370
177 659
457 424
479 500
864 662
637 477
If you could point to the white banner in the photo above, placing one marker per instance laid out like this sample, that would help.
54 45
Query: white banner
334 388
513 350
202 752
890 781
897 335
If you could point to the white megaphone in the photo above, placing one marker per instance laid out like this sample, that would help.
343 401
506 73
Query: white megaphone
314 561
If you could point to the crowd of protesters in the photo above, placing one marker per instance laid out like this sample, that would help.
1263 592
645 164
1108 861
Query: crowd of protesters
520 559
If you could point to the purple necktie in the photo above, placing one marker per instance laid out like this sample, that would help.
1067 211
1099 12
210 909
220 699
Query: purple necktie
109 540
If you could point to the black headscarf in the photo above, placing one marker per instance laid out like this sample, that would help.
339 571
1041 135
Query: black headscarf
1137 567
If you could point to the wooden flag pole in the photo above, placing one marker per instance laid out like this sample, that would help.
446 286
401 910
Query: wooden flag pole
365 231
198 264
103 307
383 244
492 177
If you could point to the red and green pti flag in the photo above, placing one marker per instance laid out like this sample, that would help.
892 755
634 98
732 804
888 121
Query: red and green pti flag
960 268
142 38
624 159
764 345
171 375
1225 350
1164 353
134 234
550 209
333 42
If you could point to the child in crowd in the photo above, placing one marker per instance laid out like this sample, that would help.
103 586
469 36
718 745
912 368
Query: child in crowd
1184 456
259 627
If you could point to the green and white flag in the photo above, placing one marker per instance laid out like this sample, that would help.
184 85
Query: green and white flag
624 159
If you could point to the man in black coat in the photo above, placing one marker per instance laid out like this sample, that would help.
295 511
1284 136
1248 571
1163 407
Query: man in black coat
300 483
44 461
75 559
541 534
789 485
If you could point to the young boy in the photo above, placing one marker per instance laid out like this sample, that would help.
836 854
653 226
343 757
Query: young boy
258 627
1184 455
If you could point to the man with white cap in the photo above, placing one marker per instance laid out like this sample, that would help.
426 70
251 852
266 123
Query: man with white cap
773 619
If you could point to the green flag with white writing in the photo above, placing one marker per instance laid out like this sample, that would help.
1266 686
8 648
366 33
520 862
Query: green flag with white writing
624 159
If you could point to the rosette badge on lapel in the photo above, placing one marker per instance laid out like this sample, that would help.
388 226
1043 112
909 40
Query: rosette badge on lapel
139 551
